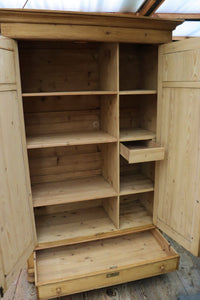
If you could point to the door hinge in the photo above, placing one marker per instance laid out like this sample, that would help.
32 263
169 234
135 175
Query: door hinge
1 291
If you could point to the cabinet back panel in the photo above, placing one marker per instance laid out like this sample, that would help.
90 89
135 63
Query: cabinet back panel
76 114
138 111
60 103
146 168
138 66
58 164
63 67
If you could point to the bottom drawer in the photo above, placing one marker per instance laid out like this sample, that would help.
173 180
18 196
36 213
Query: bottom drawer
81 267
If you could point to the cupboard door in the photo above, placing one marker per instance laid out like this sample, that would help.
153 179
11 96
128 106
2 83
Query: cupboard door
17 228
177 190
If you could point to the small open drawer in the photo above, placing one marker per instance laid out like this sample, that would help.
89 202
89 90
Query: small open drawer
76 268
141 151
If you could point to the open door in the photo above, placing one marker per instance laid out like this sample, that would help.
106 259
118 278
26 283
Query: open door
177 190
17 228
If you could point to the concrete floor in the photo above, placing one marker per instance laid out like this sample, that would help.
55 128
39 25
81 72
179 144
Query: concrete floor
183 284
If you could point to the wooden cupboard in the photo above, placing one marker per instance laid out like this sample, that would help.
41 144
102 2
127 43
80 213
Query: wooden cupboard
99 148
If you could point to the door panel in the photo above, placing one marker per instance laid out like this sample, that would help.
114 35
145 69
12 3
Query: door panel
177 192
17 238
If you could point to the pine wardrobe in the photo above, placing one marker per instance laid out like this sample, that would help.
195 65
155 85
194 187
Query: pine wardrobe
99 148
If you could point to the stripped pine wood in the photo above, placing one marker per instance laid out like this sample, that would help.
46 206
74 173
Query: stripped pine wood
85 224
141 151
93 256
66 191
79 93
79 68
80 100
85 18
138 112
69 139
138 92
176 196
60 166
134 184
17 239
85 33
138 67
136 134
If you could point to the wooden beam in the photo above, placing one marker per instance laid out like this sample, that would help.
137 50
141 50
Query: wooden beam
86 33
149 7
193 16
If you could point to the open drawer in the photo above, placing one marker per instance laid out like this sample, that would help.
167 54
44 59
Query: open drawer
141 151
91 265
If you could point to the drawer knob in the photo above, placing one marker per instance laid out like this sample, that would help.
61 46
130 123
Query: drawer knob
58 290
162 268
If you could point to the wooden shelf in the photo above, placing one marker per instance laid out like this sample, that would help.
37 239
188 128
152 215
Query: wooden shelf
69 227
136 134
73 93
133 215
69 139
71 191
72 226
138 92
135 184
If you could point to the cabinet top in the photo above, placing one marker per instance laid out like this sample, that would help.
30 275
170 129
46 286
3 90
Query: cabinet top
114 21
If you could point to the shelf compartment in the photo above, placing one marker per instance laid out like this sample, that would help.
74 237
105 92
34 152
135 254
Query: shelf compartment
76 223
128 258
138 67
69 139
135 214
142 151
138 114
71 174
134 184
71 191
70 120
84 222
72 93
138 92
136 134
66 66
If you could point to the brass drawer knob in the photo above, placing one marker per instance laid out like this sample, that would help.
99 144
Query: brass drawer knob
58 290
162 268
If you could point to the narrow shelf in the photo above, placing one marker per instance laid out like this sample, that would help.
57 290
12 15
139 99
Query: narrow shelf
134 215
135 184
69 227
136 134
138 92
71 191
69 139
73 93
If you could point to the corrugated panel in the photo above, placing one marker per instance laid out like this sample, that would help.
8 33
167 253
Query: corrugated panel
180 6
76 5
188 28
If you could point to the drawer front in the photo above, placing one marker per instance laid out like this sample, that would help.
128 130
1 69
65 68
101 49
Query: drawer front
68 287
77 268
132 155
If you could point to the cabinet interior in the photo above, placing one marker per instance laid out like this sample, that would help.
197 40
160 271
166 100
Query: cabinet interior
67 66
138 66
80 101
